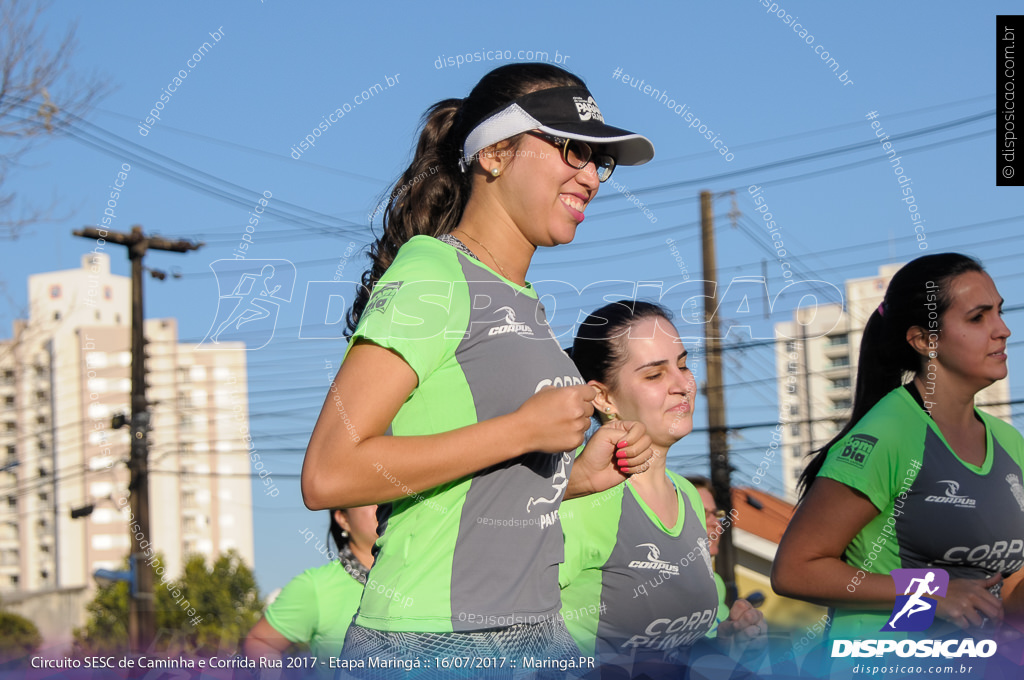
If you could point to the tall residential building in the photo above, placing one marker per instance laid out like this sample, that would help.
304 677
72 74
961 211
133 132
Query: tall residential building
63 375
817 367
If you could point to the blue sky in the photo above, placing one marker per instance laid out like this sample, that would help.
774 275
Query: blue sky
757 86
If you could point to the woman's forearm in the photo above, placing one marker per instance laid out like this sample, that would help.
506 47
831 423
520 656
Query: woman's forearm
383 468
350 460
830 582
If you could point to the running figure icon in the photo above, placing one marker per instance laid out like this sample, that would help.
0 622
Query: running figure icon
915 604
915 608
250 307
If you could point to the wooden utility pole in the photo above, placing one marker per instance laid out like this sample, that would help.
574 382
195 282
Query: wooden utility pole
141 614
725 563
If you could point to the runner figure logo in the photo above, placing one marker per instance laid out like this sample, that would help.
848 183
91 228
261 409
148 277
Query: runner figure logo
248 313
914 609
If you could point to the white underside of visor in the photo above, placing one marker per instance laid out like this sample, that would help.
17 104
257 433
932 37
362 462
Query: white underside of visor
502 125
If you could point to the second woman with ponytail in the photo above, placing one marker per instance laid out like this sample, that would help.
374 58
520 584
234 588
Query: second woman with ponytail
455 408
919 478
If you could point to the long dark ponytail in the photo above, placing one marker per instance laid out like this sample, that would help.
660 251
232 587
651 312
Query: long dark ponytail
431 195
886 358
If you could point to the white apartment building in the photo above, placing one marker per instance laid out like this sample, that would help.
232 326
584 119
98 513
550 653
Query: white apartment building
818 367
63 375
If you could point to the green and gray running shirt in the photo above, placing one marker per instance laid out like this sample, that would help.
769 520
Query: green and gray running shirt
935 510
631 586
481 552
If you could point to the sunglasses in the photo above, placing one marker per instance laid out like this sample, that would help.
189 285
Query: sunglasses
577 154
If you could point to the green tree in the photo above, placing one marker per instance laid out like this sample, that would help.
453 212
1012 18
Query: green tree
106 629
208 610
19 638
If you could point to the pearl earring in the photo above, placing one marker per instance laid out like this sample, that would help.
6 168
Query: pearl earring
607 409
495 172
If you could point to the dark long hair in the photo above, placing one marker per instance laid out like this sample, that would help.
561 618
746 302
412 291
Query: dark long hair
599 348
886 358
431 195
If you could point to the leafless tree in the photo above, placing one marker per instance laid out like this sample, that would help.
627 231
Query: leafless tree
40 94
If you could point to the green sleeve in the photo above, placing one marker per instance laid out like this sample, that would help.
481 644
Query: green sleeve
295 614
590 526
418 308
874 457
1007 436
723 609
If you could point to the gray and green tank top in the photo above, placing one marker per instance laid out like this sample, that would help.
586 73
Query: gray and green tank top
631 586
483 551
935 510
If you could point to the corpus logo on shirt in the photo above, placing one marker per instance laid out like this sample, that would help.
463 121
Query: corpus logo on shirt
506 316
654 561
951 497
857 449
915 609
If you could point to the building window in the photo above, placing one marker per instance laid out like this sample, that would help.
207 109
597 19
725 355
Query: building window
794 409
839 383
10 426
841 404
8 376
791 346
794 429
54 292
12 502
839 362
834 340
14 581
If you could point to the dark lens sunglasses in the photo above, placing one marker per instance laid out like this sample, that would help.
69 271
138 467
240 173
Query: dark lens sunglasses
577 154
